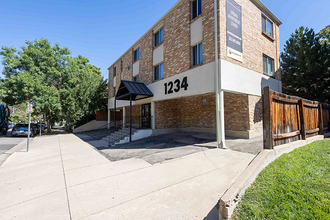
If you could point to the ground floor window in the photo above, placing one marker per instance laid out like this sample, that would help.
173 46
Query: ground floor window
159 71
197 54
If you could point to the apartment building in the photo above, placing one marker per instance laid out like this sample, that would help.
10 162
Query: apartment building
176 57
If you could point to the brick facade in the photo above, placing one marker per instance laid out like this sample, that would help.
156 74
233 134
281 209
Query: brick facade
190 113
255 113
177 31
255 44
242 112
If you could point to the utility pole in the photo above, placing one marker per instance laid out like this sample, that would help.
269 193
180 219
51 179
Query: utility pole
29 110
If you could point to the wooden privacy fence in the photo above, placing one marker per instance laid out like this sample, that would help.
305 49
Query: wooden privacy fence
291 118
101 116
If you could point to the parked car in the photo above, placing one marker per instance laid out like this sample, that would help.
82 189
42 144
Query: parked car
21 129
11 125
38 127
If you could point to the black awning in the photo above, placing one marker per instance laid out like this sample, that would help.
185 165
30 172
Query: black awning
138 90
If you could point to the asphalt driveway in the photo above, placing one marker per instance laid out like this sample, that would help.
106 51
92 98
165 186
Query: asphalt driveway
170 146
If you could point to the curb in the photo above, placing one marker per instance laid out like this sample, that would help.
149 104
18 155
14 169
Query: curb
18 147
234 193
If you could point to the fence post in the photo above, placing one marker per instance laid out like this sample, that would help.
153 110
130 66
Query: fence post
321 119
267 118
328 117
302 119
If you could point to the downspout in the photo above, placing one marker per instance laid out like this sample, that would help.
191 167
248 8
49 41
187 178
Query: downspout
220 116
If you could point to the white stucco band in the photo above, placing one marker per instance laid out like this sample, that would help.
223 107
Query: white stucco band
239 79
201 80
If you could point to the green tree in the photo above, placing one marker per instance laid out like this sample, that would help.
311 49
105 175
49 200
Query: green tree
58 85
324 34
81 89
305 66
33 75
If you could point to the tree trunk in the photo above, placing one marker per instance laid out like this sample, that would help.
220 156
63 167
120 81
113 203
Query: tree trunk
48 121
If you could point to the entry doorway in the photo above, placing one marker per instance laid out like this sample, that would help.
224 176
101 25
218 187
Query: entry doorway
146 116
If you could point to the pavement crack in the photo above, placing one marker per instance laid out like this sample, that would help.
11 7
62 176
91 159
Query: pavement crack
66 187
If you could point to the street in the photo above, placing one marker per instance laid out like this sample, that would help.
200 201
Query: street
7 142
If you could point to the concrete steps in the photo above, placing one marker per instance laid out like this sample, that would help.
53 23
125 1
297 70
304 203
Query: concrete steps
120 136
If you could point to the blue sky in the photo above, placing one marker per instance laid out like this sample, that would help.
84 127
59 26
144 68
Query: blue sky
102 30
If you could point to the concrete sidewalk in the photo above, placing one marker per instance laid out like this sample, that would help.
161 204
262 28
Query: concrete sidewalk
62 177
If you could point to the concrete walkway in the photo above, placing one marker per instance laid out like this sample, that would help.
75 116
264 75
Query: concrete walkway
62 177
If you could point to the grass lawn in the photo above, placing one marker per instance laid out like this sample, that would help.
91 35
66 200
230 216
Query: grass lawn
295 186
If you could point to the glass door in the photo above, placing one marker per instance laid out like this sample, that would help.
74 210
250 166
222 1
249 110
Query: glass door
146 116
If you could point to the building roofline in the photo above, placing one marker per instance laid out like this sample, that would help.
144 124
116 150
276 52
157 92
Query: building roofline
257 2
150 29
267 11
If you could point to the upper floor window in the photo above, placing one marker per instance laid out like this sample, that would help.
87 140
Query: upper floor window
136 54
114 71
129 67
159 36
268 65
136 78
197 54
267 26
196 8
159 71
114 91
121 66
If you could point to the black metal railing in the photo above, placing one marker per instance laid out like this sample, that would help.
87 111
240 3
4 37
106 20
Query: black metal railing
126 127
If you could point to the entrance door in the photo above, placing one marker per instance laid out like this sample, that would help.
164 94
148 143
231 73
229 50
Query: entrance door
146 116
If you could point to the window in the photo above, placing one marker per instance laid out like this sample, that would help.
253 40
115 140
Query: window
159 36
136 54
121 66
196 8
114 91
136 78
267 26
268 65
159 71
129 67
197 54
114 71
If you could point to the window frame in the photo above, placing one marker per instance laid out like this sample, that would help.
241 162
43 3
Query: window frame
161 75
264 26
196 57
267 65
196 8
136 56
160 35
136 77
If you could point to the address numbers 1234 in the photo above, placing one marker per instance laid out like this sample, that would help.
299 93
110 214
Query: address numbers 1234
177 84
